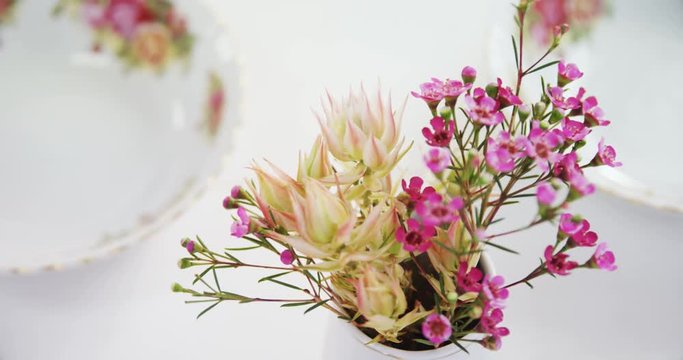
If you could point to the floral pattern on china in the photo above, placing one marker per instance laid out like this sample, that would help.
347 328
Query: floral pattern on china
6 10
580 15
402 264
215 104
142 33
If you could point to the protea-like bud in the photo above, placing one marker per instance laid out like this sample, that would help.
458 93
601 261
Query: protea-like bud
379 224
273 196
321 219
362 130
316 164
381 300
379 293
274 187
455 239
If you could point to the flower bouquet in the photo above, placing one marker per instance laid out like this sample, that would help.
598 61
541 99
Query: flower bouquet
406 264
142 33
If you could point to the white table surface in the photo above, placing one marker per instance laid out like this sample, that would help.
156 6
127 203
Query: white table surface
122 307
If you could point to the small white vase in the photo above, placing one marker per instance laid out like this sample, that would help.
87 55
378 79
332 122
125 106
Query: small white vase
345 341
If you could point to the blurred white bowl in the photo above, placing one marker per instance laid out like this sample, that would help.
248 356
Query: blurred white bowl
97 155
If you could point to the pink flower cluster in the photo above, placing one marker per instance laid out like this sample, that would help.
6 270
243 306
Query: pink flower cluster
495 295
437 328
435 91
546 147
547 143
431 211
579 234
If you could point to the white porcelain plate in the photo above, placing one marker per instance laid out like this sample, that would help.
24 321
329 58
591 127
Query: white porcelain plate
632 62
112 117
635 70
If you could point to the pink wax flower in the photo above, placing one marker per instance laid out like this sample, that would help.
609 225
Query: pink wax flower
556 95
558 264
442 132
437 159
578 98
584 237
437 328
468 281
567 166
606 155
499 159
545 194
494 290
592 114
580 184
603 258
483 109
541 146
574 130
469 74
431 93
569 225
417 238
489 323
452 89
567 73
241 226
502 152
433 212
287 257
414 189
506 96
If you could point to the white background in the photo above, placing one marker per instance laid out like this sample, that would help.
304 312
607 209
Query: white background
122 307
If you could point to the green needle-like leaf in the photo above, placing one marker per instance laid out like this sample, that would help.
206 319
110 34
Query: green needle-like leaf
424 342
500 247
201 275
459 345
208 308
538 68
297 304
315 306
514 46
285 284
268 278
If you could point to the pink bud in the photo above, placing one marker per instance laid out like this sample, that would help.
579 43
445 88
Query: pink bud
236 191
229 203
287 257
469 74
560 30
